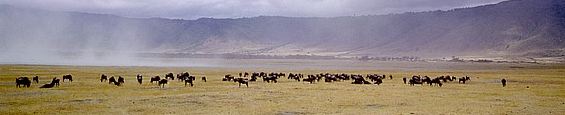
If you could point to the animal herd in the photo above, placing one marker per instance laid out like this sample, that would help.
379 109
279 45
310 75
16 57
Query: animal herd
24 81
181 77
245 78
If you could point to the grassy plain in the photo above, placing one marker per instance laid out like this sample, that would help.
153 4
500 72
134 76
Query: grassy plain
532 89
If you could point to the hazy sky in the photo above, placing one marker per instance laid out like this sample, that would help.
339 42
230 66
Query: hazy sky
192 9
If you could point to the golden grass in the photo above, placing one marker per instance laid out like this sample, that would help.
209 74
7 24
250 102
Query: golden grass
482 95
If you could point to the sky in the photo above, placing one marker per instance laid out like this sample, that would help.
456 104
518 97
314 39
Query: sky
194 9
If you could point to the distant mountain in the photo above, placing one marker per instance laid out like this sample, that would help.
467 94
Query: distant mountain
515 27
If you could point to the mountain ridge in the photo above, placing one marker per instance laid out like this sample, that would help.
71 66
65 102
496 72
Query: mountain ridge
515 27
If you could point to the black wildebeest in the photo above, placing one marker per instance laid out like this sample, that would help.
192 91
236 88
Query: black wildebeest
68 77
182 75
358 79
103 78
54 82
227 77
112 80
139 78
156 79
462 80
23 81
311 79
36 79
241 81
170 75
412 82
121 79
404 79
162 82
436 81
270 79
503 82
204 78
189 80
378 81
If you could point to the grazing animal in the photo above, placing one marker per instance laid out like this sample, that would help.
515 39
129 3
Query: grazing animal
170 75
227 77
162 82
378 81
503 82
23 81
270 79
189 80
462 80
241 81
139 78
414 81
436 81
36 79
121 79
310 79
112 80
404 79
68 77
103 78
156 79
204 79
54 82
359 80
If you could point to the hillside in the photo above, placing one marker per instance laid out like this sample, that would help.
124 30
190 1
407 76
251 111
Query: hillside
516 28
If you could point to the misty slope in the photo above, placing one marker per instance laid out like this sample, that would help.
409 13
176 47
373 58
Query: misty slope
514 27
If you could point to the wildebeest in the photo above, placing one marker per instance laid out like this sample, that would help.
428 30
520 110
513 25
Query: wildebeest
436 81
227 77
189 80
378 81
36 79
112 80
358 79
404 79
54 82
23 81
68 77
103 78
139 78
294 76
462 80
311 79
412 82
503 82
204 79
416 80
241 81
121 79
169 75
162 82
270 79
156 79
